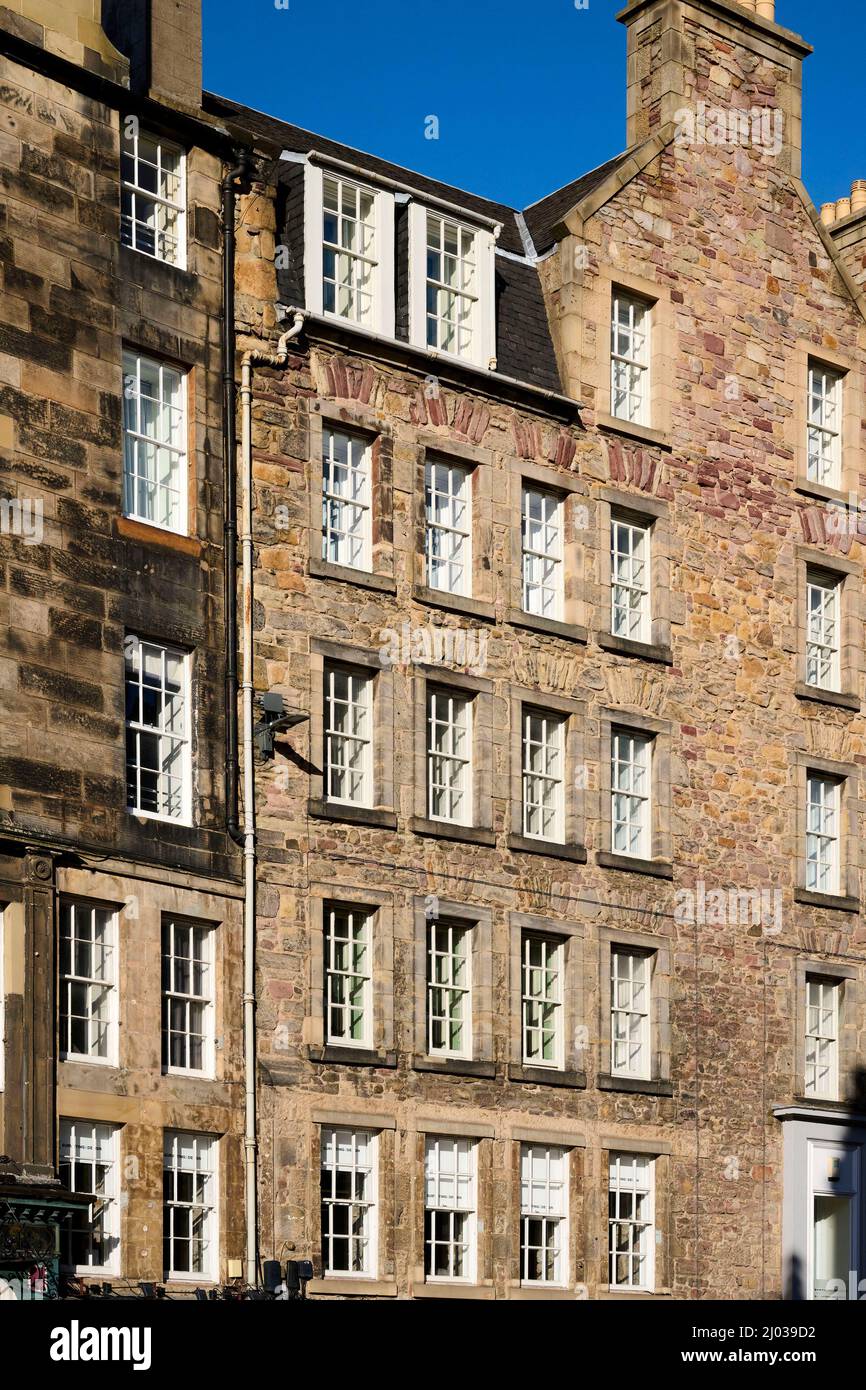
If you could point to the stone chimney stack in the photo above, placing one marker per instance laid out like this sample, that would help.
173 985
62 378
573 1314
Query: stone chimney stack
162 39
720 60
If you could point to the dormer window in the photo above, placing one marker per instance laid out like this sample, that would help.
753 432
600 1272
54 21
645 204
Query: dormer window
349 250
451 287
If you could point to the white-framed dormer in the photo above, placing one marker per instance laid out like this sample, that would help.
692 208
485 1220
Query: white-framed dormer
348 249
452 302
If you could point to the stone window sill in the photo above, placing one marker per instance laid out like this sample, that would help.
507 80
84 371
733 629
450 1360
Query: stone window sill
524 844
133 530
455 1066
823 1103
346 1288
138 266
836 902
634 1085
648 651
643 433
633 1295
355 815
547 1293
547 1076
324 569
807 488
454 1290
571 632
444 830
839 698
351 1057
655 868
455 603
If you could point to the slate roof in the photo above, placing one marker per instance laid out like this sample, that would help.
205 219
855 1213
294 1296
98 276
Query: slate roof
524 345
542 217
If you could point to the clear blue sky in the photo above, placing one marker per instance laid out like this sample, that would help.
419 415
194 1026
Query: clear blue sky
527 95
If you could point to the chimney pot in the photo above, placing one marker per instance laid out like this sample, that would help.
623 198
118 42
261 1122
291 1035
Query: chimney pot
828 214
858 195
843 208
748 5
767 9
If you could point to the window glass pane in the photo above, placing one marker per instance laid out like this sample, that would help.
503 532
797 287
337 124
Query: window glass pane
348 978
822 633
448 540
451 286
449 765
157 738
348 736
823 432
346 518
152 196
154 443
90 1240
630 794
347 1201
543 775
542 553
629 359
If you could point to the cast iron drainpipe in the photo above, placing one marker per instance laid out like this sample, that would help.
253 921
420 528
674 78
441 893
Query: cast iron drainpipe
265 359
236 180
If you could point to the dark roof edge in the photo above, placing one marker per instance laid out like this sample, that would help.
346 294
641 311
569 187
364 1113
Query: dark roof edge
461 374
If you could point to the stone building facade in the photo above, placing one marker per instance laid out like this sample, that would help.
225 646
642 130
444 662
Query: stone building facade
110 595
558 577
718 1156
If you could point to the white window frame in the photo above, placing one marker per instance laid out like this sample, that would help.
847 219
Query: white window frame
189 1000
823 630
542 567
167 737
640 1242
454 1196
822 1019
168 441
450 712
72 1134
347 501
823 832
363 1210
630 353
205 1149
449 985
72 910
630 1012
630 579
543 784
631 771
345 982
542 1005
824 425
134 189
355 739
450 529
382 279
544 1204
481 349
